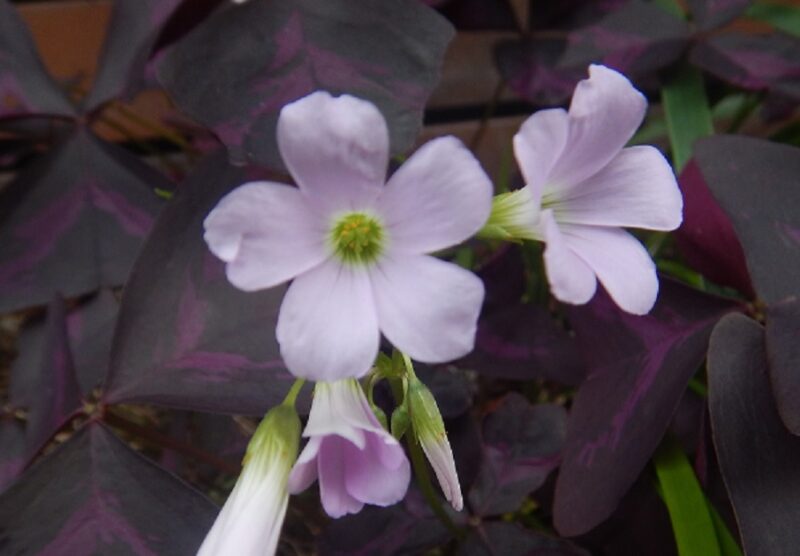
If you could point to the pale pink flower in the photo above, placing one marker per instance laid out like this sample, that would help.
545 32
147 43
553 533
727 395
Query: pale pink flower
251 520
356 248
583 187
356 461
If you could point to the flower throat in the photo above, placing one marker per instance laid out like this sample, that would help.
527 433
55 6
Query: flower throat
357 238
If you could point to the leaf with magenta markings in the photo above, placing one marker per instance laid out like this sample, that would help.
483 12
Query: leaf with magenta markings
94 495
185 336
754 62
236 70
74 221
132 33
639 368
25 87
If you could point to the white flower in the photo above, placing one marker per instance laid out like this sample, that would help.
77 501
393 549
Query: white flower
357 249
250 522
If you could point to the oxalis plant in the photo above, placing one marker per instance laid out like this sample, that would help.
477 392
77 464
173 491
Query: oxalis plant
580 353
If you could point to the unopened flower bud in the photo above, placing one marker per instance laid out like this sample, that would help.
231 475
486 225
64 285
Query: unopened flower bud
430 433
250 522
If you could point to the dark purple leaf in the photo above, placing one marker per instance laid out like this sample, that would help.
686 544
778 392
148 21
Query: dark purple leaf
569 14
89 325
709 14
94 495
511 539
12 450
755 182
49 391
757 455
522 342
185 336
636 39
25 87
452 390
783 350
239 67
754 62
73 221
405 528
132 32
532 69
479 15
706 238
522 445
639 526
638 370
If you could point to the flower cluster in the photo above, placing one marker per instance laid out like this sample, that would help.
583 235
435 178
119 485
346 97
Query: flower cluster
358 254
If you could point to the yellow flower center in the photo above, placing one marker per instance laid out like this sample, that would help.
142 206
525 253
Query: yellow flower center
357 238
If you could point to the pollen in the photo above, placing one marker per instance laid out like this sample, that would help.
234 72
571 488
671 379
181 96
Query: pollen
357 238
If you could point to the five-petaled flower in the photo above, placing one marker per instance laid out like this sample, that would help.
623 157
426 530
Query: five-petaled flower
582 187
356 461
356 248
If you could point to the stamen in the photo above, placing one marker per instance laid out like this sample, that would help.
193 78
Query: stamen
357 238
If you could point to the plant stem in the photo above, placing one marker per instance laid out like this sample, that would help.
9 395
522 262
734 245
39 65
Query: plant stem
291 396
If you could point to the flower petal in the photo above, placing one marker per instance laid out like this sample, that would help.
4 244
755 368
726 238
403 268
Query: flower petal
438 198
327 325
341 408
336 148
637 189
538 145
304 472
621 263
266 234
571 280
368 480
605 111
426 307
440 456
336 500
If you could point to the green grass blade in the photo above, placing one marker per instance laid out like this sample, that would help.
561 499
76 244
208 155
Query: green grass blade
727 543
687 113
692 524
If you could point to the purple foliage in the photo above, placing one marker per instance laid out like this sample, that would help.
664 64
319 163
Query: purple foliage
757 455
185 336
521 446
754 62
706 239
783 352
95 495
755 182
710 14
276 52
25 86
74 221
638 370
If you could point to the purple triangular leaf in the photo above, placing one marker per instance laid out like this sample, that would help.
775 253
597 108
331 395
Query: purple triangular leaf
49 390
12 450
521 446
709 14
25 87
74 221
783 350
479 15
636 39
638 370
132 32
89 325
512 539
239 67
185 336
754 62
755 182
94 495
706 238
757 455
